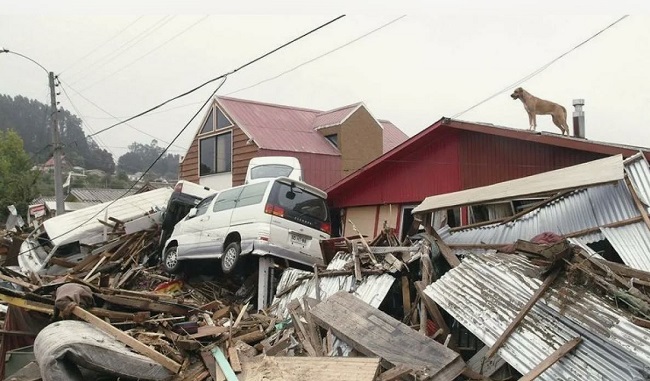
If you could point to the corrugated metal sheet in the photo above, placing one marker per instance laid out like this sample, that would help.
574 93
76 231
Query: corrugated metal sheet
84 223
580 210
372 289
334 117
638 170
99 194
632 243
486 292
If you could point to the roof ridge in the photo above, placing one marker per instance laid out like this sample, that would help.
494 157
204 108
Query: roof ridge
269 104
356 104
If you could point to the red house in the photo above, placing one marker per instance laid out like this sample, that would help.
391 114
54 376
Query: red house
449 156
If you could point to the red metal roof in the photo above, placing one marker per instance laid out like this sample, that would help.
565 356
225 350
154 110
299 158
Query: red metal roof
393 136
335 117
418 167
293 129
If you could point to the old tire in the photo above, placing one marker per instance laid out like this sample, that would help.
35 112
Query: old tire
170 261
230 257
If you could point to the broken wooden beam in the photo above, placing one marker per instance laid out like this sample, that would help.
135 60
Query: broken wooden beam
552 359
136 345
223 363
446 251
522 313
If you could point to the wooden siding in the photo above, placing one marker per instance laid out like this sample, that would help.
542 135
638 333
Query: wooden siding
242 153
189 168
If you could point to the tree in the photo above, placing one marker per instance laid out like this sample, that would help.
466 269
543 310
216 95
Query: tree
17 180
140 157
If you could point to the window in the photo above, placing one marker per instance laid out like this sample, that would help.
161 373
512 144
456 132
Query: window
208 126
222 120
216 154
202 207
270 171
252 194
334 139
299 202
227 200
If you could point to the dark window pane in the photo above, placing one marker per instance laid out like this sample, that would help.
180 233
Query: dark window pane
224 153
270 171
207 152
333 139
299 202
222 120
203 205
209 124
252 194
226 199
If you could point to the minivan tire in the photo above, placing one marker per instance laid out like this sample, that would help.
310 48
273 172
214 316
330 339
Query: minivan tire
170 261
230 257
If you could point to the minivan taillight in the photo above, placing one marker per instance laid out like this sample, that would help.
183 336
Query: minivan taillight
178 188
274 210
326 228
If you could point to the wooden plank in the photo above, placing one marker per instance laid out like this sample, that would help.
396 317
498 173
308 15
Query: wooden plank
295 368
641 322
233 357
210 363
208 331
432 308
19 282
522 313
374 333
278 347
394 373
137 346
252 337
223 364
446 251
303 336
406 295
552 359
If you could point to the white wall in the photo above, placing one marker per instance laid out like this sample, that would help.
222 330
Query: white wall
218 182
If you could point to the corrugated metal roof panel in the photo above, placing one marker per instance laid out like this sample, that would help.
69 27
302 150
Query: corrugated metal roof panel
99 194
393 136
639 172
486 292
632 243
372 290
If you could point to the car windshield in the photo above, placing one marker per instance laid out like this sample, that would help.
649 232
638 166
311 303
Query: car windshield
270 171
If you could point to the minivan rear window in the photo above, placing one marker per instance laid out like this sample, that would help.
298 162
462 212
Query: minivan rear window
299 205
270 171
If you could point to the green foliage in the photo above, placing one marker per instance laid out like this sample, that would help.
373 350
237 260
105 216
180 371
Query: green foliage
30 119
140 157
16 177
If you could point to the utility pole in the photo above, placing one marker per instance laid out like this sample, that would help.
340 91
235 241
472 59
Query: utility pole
56 142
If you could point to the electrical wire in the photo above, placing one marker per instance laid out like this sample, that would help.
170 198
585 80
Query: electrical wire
110 57
93 134
147 53
207 101
320 56
220 76
101 45
538 70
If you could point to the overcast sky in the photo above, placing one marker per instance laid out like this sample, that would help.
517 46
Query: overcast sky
436 61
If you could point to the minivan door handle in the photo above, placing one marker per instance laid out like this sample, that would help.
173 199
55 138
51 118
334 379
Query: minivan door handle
205 218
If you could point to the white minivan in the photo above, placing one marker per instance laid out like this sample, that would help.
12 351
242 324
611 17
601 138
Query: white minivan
265 167
280 217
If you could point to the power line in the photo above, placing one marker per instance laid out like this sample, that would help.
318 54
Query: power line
102 44
540 69
124 47
220 76
147 53
93 134
319 57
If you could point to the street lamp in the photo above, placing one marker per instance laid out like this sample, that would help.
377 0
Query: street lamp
56 139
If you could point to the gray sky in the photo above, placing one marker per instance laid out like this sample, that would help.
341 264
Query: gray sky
436 61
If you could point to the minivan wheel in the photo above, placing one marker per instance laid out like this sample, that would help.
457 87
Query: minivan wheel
170 260
230 257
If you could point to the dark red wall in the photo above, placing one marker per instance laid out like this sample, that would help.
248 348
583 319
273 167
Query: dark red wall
320 171
489 159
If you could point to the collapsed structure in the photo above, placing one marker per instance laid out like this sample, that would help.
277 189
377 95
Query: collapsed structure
558 291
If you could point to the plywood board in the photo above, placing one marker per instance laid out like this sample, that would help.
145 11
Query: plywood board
375 333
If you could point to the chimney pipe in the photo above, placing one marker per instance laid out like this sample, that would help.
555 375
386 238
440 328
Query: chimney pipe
578 119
